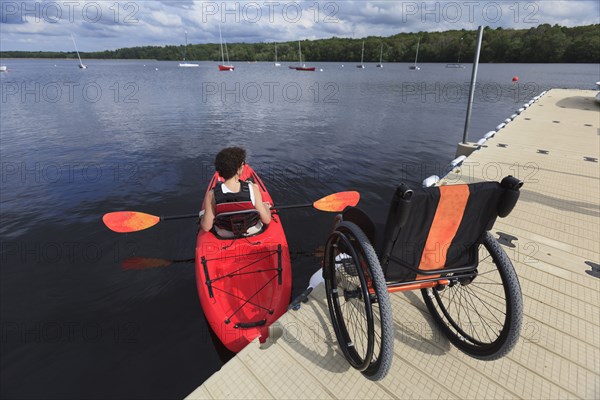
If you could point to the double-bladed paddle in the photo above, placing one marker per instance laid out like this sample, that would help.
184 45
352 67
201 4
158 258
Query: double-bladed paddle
137 263
133 221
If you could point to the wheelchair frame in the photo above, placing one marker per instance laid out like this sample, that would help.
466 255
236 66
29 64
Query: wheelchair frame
360 308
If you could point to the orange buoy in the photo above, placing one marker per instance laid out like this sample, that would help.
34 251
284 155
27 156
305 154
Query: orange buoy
515 79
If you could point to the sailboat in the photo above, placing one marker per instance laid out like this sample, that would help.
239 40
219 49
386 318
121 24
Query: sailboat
81 65
302 67
223 66
415 67
458 64
276 63
184 63
362 57
380 65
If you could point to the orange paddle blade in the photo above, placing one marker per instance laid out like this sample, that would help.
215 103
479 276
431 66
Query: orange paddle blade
134 263
129 221
337 202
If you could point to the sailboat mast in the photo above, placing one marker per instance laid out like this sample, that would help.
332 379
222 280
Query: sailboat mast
185 49
300 52
417 56
362 56
381 54
221 40
226 52
275 53
73 39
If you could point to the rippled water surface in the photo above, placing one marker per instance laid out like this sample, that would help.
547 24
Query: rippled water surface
142 135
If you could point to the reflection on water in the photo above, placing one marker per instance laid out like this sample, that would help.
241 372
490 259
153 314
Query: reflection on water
142 135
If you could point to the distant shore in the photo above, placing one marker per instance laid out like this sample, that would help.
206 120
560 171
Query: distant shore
466 63
74 59
545 43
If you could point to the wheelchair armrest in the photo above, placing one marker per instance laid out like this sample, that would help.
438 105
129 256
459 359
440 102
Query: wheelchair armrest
510 197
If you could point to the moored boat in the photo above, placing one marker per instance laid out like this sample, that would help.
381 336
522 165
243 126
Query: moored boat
362 57
186 64
301 67
380 65
81 64
457 64
224 66
415 67
277 64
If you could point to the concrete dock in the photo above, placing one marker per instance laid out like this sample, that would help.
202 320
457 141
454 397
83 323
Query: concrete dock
553 239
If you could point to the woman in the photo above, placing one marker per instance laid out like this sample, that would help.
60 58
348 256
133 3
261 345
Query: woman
234 205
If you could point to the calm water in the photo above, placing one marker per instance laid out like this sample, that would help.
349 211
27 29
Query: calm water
142 135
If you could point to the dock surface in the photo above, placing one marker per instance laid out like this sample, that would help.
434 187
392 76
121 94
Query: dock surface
553 239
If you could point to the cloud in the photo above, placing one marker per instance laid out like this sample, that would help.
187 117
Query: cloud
163 19
99 25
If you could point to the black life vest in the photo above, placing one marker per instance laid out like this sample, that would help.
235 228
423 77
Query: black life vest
235 211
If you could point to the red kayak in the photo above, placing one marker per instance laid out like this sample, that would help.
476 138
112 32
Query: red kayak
244 284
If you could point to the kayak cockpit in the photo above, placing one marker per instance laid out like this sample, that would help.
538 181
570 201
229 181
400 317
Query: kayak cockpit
238 224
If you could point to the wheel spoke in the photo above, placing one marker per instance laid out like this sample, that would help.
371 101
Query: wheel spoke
481 317
360 309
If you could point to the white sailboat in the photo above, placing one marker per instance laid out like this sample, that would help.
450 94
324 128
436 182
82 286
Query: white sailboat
415 67
362 57
3 68
276 63
81 65
223 66
458 64
380 65
184 63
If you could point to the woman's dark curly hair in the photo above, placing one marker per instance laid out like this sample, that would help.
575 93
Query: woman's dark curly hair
229 160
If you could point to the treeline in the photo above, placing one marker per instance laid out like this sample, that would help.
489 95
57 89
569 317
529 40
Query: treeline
543 44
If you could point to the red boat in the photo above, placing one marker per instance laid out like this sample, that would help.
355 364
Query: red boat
244 284
223 66
304 68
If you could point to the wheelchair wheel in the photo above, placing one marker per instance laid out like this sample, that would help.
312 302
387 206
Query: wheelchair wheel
482 316
358 301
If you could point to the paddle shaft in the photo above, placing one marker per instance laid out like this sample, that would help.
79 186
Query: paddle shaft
174 217
187 216
293 206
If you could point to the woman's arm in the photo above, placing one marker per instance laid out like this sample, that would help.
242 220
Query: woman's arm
265 214
209 212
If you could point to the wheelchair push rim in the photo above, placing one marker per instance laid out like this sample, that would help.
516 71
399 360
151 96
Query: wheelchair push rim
356 295
481 316
363 324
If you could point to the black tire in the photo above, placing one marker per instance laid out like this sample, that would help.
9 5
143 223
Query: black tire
359 304
481 317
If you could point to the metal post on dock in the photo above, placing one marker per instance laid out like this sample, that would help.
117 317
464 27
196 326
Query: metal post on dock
464 148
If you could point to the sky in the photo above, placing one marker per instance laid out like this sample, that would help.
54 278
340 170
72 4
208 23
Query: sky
98 25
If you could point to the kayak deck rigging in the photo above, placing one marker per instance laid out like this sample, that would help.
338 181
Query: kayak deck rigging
246 301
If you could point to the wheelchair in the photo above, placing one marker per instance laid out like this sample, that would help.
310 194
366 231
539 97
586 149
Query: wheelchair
436 240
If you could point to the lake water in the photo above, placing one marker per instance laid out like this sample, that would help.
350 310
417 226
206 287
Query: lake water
142 135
